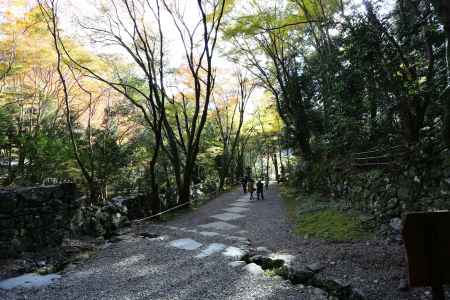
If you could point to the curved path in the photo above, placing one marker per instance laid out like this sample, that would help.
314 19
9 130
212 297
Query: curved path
195 256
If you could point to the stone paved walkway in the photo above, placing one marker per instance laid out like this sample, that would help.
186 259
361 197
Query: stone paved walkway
196 256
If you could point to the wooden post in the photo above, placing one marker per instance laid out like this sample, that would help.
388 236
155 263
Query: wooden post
427 245
432 251
438 293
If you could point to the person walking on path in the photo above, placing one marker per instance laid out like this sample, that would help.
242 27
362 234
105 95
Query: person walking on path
251 187
260 189
244 184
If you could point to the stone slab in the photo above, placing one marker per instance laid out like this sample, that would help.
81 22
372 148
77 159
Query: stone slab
236 209
241 204
227 216
185 244
218 226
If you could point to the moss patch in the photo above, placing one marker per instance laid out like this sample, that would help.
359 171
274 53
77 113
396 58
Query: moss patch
315 217
330 224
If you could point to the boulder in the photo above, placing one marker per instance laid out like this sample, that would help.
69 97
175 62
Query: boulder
254 269
299 275
266 262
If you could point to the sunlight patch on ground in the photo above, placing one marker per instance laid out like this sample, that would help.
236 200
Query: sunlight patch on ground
185 244
144 271
81 274
129 261
172 227
28 281
209 233
244 200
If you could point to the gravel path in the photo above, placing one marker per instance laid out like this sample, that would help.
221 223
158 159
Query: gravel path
196 256
193 257
375 267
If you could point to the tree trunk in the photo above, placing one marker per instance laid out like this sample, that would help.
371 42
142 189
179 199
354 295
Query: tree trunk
155 201
443 9
275 165
301 119
303 143
21 162
184 192
281 162
222 176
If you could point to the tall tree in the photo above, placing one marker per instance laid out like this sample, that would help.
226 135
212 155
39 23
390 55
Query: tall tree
443 9
229 116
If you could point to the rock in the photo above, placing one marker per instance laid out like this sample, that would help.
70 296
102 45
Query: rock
254 269
266 262
299 275
287 258
335 287
148 235
46 270
315 267
396 224
238 263
236 253
262 249
403 285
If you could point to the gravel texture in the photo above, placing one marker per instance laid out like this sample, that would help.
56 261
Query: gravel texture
174 266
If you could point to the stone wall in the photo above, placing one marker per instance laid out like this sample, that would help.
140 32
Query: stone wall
32 218
386 195
420 182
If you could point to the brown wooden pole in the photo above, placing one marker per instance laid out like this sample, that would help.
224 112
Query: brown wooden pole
438 292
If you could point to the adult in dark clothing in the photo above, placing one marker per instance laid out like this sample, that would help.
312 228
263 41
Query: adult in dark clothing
260 189
244 184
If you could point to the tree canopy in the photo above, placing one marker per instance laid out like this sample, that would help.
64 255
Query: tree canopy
166 97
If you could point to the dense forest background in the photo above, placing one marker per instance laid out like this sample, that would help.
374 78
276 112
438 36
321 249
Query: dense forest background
347 100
